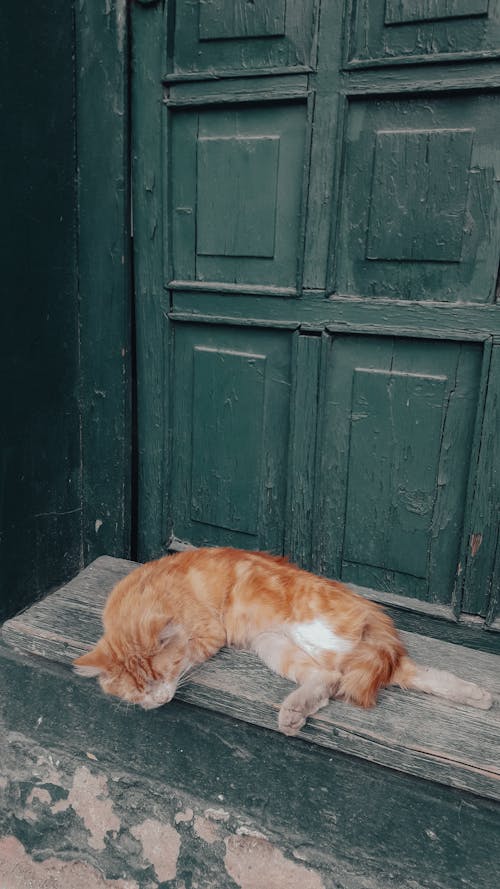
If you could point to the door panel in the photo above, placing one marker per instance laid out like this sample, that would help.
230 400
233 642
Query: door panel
230 436
237 183
420 199
398 420
351 422
235 35
421 30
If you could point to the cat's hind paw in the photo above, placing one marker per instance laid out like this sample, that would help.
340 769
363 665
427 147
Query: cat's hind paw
290 721
478 697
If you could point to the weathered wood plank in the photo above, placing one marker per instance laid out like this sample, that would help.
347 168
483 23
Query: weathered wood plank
302 448
103 274
412 733
152 328
240 89
484 524
364 315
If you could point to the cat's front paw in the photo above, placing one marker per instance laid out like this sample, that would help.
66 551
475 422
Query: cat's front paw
290 721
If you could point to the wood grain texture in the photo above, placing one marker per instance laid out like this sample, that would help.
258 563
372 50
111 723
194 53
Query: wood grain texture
227 36
236 182
227 19
480 587
397 421
422 31
401 11
104 274
237 89
150 240
412 733
302 448
438 320
388 187
230 436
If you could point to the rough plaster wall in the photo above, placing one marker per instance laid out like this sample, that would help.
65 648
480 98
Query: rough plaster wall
73 823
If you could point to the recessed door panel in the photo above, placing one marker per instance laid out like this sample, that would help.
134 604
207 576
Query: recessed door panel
237 186
227 36
394 31
230 436
231 19
397 426
419 217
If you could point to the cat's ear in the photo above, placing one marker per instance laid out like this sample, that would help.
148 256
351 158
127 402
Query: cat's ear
92 663
167 632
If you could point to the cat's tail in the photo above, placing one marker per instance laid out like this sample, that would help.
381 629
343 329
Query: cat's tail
408 674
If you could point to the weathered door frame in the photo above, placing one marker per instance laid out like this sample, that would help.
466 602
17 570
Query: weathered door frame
154 318
104 273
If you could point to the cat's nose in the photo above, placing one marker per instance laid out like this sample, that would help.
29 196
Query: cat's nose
151 704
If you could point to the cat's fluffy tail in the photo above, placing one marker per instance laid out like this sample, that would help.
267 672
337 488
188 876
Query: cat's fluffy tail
408 674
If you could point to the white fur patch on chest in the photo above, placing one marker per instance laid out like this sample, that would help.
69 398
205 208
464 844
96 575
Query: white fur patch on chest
316 635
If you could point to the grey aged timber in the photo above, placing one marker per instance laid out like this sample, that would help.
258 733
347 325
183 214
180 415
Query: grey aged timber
418 735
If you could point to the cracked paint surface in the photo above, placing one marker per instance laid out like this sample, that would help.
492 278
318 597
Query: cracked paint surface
19 871
184 817
206 830
67 822
256 864
89 799
160 846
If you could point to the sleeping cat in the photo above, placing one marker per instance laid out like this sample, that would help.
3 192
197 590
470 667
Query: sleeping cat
169 615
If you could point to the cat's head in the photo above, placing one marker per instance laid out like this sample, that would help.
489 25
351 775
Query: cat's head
138 671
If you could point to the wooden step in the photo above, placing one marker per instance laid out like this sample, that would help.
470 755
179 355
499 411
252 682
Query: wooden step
412 733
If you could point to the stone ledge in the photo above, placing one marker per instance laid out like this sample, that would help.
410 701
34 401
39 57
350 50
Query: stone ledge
411 733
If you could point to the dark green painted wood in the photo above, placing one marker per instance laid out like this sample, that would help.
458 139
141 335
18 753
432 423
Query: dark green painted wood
389 413
367 201
230 436
228 19
393 31
232 217
397 12
228 413
480 584
459 321
104 288
152 328
40 485
302 448
236 186
225 36
237 89
407 165
380 80
397 425
389 246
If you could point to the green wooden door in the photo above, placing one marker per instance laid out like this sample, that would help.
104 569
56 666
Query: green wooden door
317 232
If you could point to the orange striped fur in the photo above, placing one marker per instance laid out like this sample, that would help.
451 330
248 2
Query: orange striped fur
171 614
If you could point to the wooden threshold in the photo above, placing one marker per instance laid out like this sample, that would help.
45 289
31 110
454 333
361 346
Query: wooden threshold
409 732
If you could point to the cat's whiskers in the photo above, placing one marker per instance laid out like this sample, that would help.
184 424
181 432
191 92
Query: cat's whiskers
187 675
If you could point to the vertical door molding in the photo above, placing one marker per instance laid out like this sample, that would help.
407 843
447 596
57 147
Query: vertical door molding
102 147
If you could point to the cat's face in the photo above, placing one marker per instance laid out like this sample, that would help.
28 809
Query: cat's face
148 678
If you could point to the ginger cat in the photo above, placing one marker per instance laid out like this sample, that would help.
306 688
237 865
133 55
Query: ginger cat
171 614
